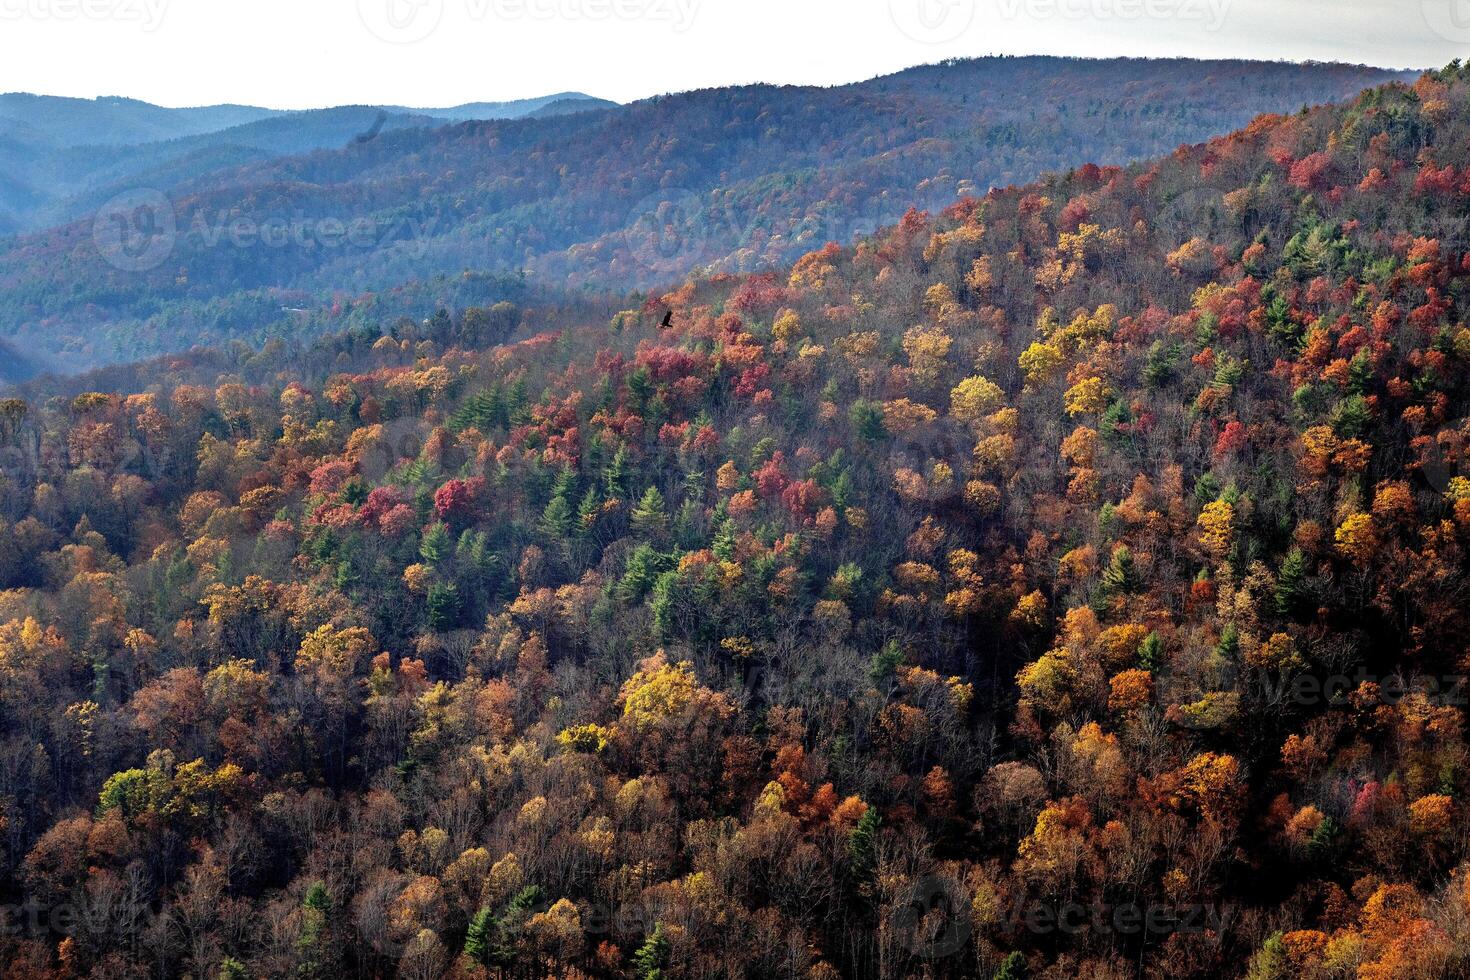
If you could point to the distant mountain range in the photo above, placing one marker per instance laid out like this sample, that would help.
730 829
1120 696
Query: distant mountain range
61 157
287 224
552 105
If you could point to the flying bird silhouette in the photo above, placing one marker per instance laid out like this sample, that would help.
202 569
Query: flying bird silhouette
668 320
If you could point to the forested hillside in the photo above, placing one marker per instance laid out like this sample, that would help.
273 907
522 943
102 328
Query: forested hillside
1068 584
736 179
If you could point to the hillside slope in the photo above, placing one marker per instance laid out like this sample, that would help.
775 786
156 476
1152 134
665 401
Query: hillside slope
1069 584
729 179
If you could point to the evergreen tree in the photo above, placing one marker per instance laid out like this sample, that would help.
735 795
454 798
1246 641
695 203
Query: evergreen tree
565 484
317 899
724 543
885 663
435 544
478 936
510 922
1151 653
1289 582
1120 577
1229 644
314 908
1271 962
649 518
862 850
649 960
1013 967
443 606
556 519
588 511
615 476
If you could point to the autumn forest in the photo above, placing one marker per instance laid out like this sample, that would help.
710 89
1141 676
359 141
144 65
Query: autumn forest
1068 580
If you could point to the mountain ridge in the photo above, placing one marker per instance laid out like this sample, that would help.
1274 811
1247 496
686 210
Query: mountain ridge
735 178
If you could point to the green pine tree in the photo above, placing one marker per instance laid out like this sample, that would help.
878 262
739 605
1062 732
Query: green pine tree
1013 967
862 850
509 924
565 484
478 936
724 543
615 475
1271 962
314 909
443 606
435 544
588 510
1151 653
649 518
1289 582
1120 577
885 662
1229 644
556 519
648 961
318 899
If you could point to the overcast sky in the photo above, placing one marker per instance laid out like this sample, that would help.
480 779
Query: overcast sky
304 53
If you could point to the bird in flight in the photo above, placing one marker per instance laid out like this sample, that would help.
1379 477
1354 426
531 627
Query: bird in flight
668 320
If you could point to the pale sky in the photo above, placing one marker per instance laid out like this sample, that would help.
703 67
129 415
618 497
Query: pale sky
308 53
